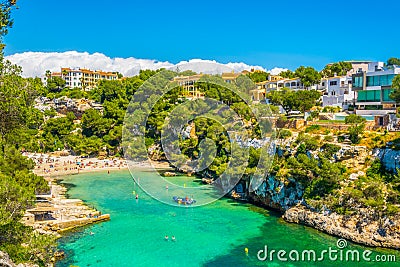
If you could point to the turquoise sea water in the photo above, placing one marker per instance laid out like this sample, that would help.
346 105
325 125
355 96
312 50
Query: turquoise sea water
211 235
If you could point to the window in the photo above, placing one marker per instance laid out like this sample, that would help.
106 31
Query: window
323 83
381 80
358 81
369 96
331 83
386 94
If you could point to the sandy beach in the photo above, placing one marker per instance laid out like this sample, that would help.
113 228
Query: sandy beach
47 165
55 213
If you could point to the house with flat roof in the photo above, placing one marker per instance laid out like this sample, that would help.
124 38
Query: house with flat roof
373 89
337 91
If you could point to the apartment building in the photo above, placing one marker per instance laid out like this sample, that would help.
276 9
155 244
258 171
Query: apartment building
83 78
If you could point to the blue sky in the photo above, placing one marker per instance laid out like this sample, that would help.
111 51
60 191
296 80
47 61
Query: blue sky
267 33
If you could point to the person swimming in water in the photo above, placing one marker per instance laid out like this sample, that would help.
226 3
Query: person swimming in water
173 238
137 196
166 237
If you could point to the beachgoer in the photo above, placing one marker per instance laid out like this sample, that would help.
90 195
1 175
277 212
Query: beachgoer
137 196
173 238
166 237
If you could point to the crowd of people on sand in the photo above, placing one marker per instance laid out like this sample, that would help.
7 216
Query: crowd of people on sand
46 164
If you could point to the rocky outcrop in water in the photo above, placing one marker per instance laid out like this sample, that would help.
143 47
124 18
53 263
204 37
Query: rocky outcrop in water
357 228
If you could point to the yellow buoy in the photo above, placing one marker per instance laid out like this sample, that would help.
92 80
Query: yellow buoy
184 185
246 250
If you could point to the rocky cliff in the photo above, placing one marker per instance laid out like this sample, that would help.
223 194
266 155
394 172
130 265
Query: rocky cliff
279 195
363 228
389 157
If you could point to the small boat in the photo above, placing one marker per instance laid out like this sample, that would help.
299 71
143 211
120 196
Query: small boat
184 200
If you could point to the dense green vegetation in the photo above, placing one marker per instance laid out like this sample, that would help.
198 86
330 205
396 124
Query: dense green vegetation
318 175
18 184
395 95
326 183
393 61
302 100
357 127
287 74
378 190
258 76
308 75
213 126
338 68
100 133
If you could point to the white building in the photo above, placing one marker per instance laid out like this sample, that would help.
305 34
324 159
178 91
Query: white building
83 78
337 91
364 65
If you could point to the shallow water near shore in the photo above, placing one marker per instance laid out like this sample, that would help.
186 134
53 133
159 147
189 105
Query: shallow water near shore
212 235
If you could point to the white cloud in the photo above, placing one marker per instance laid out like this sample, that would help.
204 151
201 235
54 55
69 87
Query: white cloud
35 64
276 70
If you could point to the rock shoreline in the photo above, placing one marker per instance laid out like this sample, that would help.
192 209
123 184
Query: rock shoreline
359 229
68 214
